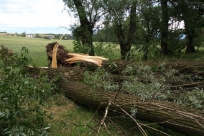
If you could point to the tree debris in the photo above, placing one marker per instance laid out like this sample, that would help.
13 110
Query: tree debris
59 57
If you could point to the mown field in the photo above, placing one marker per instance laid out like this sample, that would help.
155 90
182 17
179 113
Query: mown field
36 47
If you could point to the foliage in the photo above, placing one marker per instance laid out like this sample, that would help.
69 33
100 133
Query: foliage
22 96
80 48
176 42
37 36
158 21
194 98
141 80
107 50
47 37
88 13
100 79
23 34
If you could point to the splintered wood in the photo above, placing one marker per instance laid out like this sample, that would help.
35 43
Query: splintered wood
60 57
85 57
54 56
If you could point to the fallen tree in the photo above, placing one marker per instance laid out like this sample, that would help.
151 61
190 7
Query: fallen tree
185 120
58 56
188 121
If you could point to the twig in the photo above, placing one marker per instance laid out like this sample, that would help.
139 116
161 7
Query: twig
94 113
187 85
139 126
104 118
155 129
119 89
60 39
106 129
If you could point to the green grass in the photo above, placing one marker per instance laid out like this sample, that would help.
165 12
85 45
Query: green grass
36 47
70 119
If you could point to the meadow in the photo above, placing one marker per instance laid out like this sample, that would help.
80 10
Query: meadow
37 50
36 47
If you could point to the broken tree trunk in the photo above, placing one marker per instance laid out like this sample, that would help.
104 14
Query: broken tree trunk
54 56
58 56
185 120
74 57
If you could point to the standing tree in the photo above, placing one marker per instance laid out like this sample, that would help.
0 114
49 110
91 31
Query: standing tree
120 13
23 34
191 12
192 19
164 28
148 25
88 12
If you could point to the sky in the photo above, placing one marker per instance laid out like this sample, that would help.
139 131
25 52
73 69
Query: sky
34 16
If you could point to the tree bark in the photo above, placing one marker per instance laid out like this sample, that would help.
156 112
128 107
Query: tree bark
126 41
190 48
164 28
190 25
185 120
86 28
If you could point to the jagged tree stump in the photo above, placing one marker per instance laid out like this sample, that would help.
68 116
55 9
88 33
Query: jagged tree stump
58 56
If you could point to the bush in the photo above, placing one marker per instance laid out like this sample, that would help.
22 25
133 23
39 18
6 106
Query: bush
21 96
109 51
80 48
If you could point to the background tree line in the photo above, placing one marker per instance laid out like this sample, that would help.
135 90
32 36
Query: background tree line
55 36
48 36
172 24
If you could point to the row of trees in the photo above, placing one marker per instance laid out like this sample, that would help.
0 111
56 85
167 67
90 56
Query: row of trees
55 36
138 21
21 34
48 36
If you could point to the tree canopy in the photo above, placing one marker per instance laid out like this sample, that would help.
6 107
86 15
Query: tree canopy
129 22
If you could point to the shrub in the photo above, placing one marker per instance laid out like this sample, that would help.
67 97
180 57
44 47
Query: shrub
21 96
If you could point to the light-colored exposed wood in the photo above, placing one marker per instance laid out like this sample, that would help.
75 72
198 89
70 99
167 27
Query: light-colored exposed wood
54 56
74 57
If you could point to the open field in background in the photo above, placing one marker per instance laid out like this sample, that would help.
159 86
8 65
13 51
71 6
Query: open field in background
36 47
37 50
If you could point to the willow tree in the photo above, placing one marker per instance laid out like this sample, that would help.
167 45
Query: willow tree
88 12
164 28
191 12
122 14
148 25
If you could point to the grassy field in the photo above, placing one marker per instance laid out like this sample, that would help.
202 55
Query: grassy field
36 47
37 50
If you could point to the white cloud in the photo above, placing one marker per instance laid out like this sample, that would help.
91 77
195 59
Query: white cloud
16 14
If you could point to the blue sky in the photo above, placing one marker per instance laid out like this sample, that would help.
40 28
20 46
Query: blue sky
34 16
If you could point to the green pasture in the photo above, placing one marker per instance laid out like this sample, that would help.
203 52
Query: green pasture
37 50
36 47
